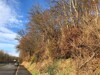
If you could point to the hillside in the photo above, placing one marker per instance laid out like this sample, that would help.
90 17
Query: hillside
63 40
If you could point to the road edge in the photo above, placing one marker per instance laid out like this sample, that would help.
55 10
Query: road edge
16 73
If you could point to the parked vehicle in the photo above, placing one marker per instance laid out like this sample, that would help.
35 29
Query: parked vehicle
16 64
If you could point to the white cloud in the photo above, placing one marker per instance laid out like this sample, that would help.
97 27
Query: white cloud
9 17
7 36
4 13
2 45
5 30
9 14
7 41
9 48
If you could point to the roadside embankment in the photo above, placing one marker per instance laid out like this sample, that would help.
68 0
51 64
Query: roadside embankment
60 67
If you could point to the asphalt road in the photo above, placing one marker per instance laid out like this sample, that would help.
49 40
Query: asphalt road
8 69
23 71
11 69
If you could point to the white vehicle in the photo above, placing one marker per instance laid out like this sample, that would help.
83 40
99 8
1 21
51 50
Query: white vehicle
16 64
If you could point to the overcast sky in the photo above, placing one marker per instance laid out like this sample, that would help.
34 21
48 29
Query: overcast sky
13 16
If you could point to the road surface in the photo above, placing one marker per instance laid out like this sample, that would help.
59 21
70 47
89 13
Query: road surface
8 69
11 69
22 71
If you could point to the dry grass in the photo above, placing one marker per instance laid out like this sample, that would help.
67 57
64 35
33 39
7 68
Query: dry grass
82 42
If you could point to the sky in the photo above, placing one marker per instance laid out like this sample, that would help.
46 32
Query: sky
14 14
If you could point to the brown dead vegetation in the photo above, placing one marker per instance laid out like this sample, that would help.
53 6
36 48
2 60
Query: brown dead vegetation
66 30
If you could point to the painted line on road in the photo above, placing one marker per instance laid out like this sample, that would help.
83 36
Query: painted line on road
17 71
